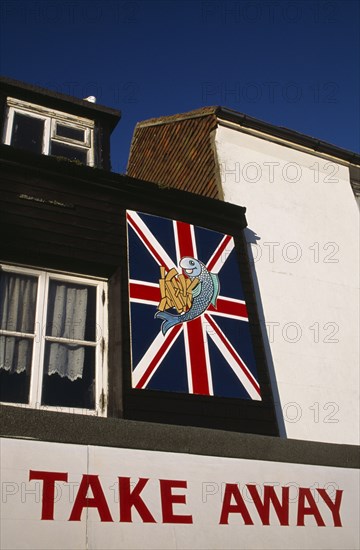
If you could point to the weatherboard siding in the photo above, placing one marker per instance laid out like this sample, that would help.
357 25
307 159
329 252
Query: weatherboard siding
72 218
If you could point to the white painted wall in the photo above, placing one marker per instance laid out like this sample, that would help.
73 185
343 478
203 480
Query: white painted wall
306 260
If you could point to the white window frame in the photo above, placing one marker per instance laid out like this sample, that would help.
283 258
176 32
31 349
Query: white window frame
40 339
55 137
51 117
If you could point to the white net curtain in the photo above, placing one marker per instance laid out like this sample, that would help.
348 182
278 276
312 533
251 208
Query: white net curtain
66 318
17 314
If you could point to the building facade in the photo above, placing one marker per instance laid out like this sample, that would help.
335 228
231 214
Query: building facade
146 401
303 239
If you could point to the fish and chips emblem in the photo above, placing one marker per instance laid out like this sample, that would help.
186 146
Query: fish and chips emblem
190 294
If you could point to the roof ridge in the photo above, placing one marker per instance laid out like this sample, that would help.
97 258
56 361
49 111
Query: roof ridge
195 113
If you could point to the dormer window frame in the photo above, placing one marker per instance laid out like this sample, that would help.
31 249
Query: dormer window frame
52 120
55 123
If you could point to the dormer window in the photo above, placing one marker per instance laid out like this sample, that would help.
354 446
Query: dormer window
49 132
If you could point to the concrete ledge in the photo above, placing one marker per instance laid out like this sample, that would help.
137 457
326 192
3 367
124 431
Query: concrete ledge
17 422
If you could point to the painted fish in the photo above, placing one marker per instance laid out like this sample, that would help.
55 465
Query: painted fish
204 294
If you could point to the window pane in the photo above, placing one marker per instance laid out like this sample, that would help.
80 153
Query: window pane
70 132
71 311
15 368
17 302
63 387
69 152
27 133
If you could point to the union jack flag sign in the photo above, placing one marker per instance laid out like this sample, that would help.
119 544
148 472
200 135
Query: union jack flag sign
206 349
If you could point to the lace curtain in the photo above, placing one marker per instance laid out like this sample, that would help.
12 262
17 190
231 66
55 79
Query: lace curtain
17 314
66 318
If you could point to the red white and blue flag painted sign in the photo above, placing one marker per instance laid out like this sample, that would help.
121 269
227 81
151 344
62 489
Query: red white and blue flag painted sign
206 349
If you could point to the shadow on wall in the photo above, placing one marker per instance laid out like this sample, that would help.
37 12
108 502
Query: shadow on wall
251 237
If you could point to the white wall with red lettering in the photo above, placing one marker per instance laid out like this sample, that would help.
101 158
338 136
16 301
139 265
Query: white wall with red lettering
85 497
303 233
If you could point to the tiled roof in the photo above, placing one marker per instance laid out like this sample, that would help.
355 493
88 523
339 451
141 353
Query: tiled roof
177 151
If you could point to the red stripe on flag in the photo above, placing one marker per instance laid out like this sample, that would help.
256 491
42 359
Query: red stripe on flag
159 356
229 307
144 292
186 247
218 253
233 353
196 346
146 241
195 336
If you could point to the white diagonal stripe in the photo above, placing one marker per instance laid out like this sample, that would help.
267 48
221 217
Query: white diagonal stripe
223 256
134 216
148 357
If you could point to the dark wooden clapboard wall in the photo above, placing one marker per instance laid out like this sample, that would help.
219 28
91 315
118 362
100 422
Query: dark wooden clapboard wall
58 215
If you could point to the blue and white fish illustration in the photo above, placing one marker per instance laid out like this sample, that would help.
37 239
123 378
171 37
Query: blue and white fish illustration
204 294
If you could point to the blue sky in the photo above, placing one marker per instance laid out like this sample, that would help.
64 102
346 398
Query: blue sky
291 63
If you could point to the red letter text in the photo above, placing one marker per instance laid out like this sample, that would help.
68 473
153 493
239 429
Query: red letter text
312 509
98 501
168 499
48 479
232 490
129 498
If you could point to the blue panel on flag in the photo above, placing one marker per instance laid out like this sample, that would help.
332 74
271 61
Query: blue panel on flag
142 260
171 375
225 381
189 321
141 339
